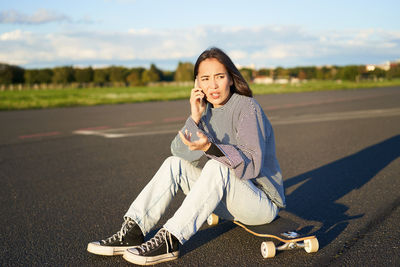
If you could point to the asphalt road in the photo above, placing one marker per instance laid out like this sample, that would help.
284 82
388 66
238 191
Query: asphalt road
68 176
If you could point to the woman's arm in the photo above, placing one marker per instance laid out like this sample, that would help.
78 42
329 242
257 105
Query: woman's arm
179 149
197 102
246 158
185 144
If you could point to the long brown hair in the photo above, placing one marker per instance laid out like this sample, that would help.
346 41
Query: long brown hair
239 85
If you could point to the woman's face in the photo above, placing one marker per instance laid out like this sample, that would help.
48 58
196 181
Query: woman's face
215 82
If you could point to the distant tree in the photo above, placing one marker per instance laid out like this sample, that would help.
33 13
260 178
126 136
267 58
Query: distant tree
100 76
322 73
264 72
45 75
184 72
152 75
302 75
378 73
393 72
333 73
18 74
84 75
293 72
247 74
63 75
134 77
319 73
168 76
311 72
280 72
10 74
118 74
350 72
5 74
31 76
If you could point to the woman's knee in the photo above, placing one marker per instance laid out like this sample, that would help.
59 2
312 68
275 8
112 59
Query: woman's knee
171 160
170 167
177 165
214 164
174 161
216 171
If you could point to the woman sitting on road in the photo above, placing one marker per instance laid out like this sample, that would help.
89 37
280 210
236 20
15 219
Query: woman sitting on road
241 180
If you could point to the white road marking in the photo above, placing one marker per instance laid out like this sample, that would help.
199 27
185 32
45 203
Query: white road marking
120 135
336 116
308 118
133 131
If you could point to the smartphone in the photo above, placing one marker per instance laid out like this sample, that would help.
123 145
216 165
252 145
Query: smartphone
196 85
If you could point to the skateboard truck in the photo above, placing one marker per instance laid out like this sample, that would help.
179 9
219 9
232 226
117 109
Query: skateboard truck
268 248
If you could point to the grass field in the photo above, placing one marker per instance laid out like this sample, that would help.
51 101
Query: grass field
50 98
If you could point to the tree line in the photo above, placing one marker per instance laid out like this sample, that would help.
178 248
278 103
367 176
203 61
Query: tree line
349 73
10 74
123 76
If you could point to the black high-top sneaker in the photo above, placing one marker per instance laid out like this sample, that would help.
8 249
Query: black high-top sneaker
162 247
129 236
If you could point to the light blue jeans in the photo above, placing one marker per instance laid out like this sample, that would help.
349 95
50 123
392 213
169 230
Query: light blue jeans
213 189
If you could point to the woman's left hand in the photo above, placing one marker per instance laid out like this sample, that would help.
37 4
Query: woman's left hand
201 144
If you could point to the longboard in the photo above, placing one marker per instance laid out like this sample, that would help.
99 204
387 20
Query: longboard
281 231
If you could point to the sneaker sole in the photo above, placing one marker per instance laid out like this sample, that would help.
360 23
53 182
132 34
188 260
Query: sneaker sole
96 248
147 260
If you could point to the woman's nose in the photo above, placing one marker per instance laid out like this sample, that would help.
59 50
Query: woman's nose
213 84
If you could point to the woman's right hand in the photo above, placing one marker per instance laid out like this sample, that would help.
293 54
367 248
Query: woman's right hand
197 102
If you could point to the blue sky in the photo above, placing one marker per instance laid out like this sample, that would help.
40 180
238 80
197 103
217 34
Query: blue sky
42 33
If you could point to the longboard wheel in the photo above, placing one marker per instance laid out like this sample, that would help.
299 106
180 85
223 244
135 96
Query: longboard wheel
268 249
212 219
311 245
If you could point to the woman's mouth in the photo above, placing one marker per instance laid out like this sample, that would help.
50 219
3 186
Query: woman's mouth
215 95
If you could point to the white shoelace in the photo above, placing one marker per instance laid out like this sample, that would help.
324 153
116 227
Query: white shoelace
156 241
121 233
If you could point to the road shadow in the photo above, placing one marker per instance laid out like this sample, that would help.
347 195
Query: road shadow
318 192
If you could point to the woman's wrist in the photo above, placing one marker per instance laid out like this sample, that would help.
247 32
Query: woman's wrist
196 119
207 147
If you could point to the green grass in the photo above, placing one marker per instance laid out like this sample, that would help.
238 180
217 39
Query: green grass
312 86
32 99
50 98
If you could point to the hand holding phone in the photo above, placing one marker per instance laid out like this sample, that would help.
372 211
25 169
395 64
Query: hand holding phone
197 102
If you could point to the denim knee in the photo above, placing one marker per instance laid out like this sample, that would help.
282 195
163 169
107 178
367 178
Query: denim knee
172 160
214 164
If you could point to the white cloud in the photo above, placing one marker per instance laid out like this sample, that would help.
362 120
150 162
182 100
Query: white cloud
12 36
39 17
238 54
262 46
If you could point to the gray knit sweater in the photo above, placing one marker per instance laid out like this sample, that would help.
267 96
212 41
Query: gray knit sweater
243 140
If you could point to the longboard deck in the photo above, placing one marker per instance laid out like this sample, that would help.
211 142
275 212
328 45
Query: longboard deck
277 226
276 230
283 233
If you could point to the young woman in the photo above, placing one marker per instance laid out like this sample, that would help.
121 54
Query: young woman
241 180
